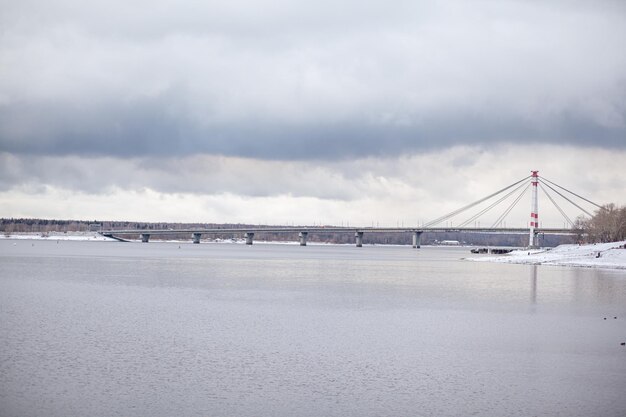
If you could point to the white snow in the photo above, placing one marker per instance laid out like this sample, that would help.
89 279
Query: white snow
611 255
57 236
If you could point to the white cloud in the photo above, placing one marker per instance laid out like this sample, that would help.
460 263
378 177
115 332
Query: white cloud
413 188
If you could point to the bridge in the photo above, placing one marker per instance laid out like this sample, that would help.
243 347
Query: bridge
513 190
304 232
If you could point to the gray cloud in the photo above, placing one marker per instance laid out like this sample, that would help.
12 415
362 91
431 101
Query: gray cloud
149 131
283 80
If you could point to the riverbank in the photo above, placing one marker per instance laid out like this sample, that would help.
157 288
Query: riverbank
94 236
57 236
599 255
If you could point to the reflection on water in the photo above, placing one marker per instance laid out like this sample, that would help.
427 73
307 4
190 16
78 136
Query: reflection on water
533 284
102 328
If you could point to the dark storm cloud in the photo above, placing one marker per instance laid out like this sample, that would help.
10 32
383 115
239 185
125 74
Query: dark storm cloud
290 80
149 130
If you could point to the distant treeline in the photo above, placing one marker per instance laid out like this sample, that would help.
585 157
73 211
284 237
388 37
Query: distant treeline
9 226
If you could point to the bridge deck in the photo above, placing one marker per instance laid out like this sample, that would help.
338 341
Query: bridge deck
321 229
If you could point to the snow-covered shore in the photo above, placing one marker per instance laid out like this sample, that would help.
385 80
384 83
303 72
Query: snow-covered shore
599 255
57 236
94 236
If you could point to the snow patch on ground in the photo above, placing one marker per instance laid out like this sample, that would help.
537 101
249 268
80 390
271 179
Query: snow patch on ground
599 255
57 236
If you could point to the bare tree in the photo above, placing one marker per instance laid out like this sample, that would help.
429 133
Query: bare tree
607 225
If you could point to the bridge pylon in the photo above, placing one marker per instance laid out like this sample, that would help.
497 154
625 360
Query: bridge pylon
534 210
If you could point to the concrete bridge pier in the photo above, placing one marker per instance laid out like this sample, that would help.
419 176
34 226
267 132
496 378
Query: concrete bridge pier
534 241
196 237
249 238
417 239
145 237
303 236
359 239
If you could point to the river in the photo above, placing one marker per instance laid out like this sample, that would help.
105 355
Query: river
177 329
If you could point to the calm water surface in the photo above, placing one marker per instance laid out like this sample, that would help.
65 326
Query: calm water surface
131 329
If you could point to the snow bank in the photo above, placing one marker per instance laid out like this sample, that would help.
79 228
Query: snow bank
57 236
611 255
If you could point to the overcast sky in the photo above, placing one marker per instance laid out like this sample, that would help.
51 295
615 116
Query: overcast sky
300 112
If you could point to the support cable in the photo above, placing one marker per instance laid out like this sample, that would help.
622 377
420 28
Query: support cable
508 210
462 209
486 209
571 192
570 201
571 223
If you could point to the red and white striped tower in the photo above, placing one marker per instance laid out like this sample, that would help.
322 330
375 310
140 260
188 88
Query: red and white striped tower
534 211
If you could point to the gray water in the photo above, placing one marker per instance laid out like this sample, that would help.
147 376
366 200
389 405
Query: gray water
131 329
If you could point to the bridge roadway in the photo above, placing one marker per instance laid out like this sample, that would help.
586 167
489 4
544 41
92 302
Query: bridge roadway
303 232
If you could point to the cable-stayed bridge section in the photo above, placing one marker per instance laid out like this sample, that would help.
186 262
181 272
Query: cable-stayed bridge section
304 232
508 196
